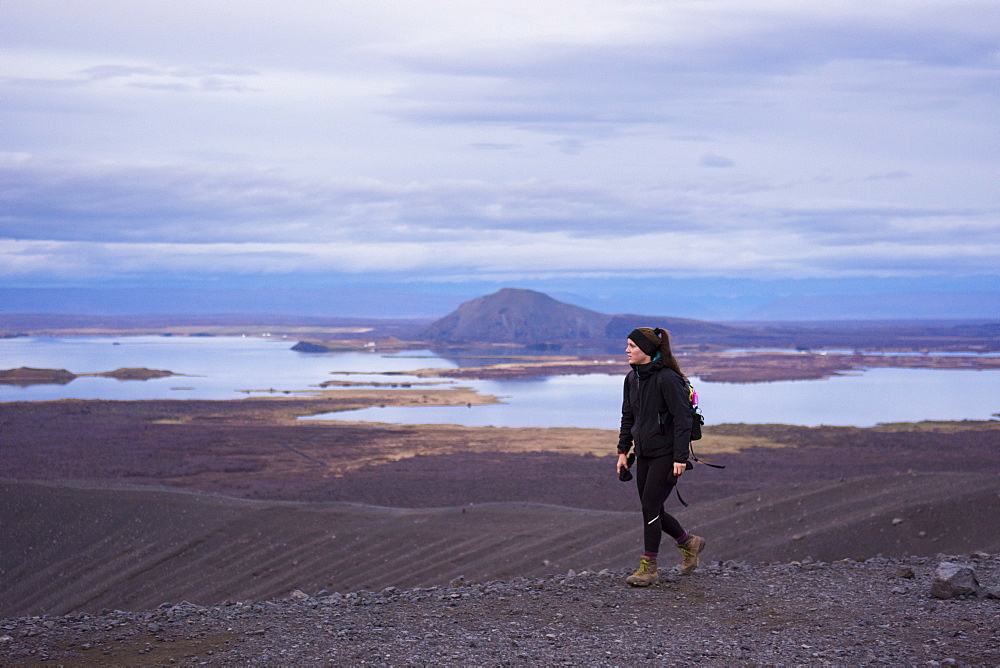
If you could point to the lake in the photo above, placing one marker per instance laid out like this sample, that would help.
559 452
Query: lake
235 367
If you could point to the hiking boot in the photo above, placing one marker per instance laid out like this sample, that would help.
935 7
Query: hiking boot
691 548
645 576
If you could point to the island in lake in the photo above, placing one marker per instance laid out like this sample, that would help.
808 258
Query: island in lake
25 376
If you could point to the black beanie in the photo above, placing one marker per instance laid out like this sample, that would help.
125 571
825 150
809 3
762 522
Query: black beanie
645 344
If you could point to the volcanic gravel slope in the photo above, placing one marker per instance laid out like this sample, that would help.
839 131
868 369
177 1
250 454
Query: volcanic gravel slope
74 549
479 561
876 612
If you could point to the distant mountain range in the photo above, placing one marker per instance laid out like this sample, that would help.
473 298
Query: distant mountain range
532 318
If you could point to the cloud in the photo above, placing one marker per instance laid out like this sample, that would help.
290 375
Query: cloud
665 76
142 77
89 221
888 176
101 72
511 254
715 161
502 139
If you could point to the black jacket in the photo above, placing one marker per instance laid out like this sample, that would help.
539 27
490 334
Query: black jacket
656 413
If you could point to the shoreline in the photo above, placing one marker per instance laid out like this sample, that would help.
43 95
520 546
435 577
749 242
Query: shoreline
719 367
722 367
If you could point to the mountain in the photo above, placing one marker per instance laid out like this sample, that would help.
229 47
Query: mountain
518 316
529 317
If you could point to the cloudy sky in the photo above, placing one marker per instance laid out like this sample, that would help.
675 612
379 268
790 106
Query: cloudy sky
700 157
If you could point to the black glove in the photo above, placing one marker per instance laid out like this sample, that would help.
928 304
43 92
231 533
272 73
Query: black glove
625 475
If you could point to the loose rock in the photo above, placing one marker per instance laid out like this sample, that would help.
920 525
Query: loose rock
806 613
953 580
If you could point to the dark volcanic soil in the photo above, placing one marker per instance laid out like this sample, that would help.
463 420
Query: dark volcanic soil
254 448
812 613
71 548
511 510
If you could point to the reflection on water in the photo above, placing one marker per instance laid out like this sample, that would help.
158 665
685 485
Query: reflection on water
228 367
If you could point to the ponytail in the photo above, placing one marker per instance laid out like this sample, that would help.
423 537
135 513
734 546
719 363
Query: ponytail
661 339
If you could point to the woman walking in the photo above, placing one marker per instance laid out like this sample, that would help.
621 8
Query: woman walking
656 419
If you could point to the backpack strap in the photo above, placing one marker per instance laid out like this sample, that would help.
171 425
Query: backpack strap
679 498
702 461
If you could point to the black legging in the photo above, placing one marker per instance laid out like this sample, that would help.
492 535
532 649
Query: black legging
654 477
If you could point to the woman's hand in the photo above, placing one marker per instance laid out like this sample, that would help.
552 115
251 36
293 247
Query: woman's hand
679 468
622 462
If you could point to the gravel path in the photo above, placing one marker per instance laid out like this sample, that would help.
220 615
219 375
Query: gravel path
876 612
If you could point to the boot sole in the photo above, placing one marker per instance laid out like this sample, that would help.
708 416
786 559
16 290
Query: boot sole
641 584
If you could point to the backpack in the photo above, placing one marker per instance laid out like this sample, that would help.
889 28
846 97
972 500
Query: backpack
697 419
